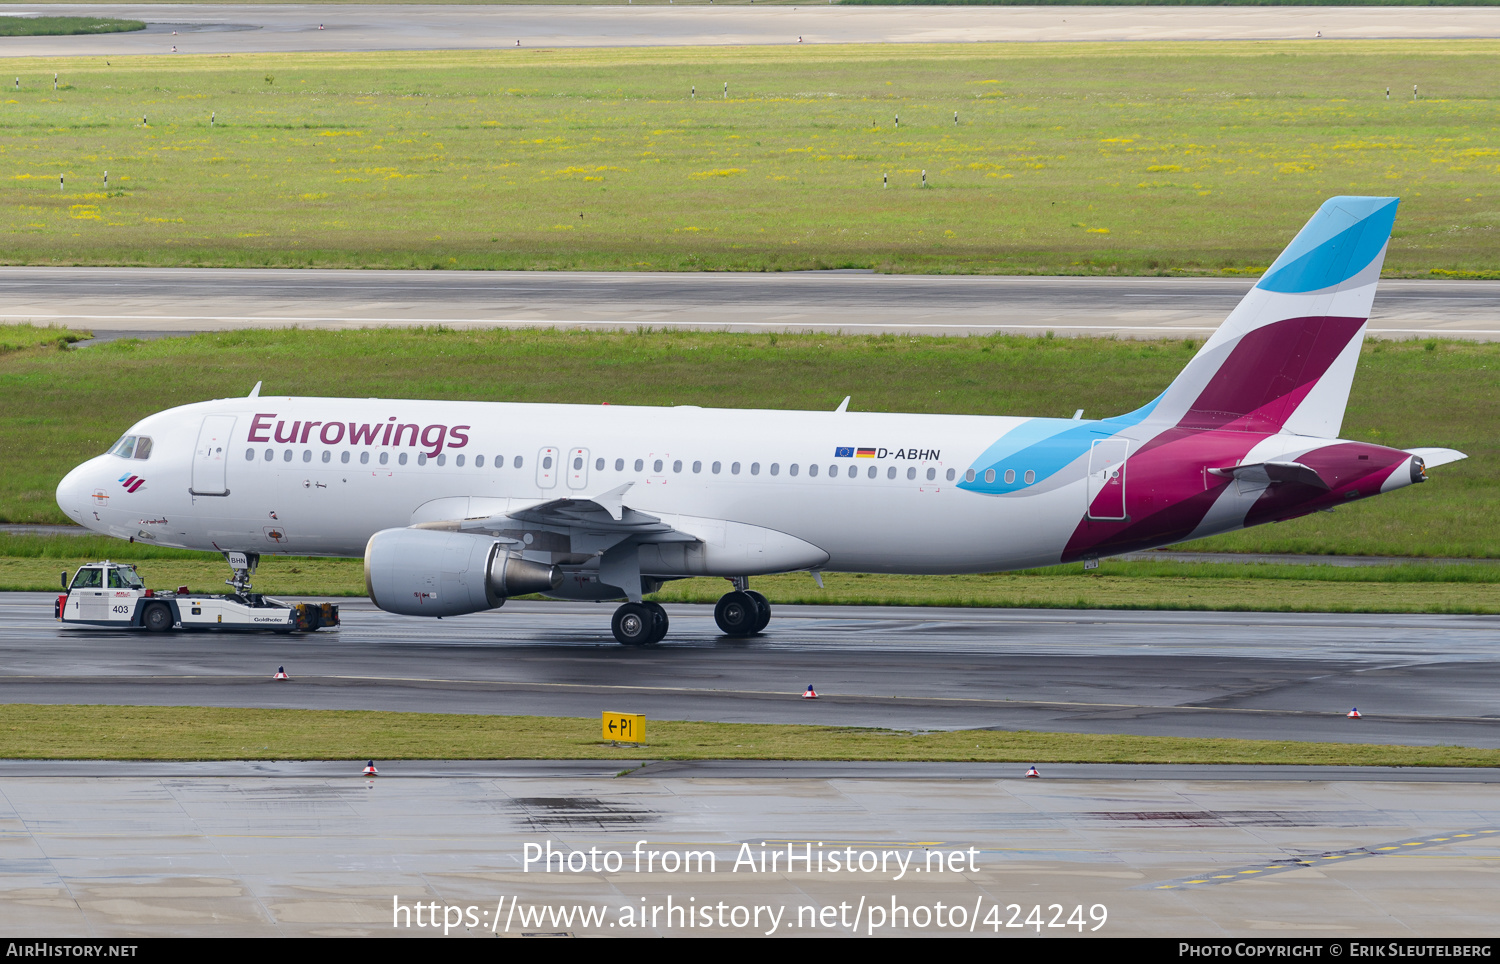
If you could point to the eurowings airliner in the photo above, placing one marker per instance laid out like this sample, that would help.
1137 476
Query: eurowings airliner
456 506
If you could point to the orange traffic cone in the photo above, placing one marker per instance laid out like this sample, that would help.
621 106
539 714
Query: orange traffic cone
370 770
1354 714
811 693
1032 771
281 673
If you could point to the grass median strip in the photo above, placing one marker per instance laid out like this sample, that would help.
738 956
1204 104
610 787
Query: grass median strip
1249 587
208 733
1052 158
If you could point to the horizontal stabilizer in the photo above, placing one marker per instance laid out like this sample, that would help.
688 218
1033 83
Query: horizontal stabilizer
1435 457
1270 473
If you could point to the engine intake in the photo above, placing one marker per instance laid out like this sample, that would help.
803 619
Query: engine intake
424 572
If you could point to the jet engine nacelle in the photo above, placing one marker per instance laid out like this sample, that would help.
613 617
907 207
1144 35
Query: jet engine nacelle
424 572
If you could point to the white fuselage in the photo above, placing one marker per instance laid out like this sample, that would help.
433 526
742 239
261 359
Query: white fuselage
294 492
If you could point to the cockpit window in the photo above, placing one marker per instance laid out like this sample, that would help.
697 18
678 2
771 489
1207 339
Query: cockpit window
132 447
124 579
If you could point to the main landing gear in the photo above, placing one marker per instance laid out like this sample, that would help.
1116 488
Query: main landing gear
743 612
639 624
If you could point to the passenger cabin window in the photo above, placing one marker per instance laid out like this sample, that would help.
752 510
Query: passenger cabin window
812 470
249 455
517 462
951 474
401 458
792 469
385 457
1030 476
421 458
478 461
640 464
286 456
656 466
327 456
714 468
619 465
734 469
344 457
598 465
697 467
775 468
931 474
443 459
677 466
364 458
911 473
270 455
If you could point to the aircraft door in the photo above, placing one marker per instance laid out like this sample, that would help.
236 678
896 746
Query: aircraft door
211 458
1106 488
546 467
578 468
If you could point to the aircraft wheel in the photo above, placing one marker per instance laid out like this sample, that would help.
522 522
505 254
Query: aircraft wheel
157 618
763 609
737 614
633 624
659 622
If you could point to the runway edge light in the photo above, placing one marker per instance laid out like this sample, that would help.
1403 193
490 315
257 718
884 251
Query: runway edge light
811 693
1355 714
281 673
370 770
1032 771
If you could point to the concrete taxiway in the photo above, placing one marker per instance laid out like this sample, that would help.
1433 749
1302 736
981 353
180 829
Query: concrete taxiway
147 302
285 28
117 850
1419 680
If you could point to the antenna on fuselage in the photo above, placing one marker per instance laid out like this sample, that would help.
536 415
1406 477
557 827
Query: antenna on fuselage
844 405
254 392
1078 415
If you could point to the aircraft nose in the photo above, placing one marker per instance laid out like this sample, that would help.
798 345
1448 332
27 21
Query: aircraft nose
73 492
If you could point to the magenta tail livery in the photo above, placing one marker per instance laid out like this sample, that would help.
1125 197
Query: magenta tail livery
456 506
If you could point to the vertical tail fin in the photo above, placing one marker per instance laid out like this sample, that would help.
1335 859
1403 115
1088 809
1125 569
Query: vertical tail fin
1284 359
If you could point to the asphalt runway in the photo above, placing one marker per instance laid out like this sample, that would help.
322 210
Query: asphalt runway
150 302
122 850
244 29
1420 680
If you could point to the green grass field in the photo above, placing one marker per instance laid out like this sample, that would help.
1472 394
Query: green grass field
31 563
1066 158
208 733
60 407
61 26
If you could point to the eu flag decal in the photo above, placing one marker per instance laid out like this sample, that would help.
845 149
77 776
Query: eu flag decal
844 452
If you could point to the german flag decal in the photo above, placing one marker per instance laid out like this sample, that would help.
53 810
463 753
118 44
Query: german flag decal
865 454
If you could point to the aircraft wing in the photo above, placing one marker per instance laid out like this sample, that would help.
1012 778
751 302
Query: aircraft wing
593 524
